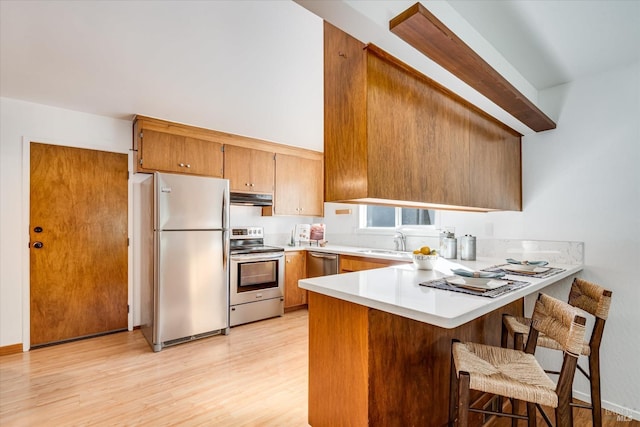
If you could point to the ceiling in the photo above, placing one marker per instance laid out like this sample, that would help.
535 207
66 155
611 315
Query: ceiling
110 58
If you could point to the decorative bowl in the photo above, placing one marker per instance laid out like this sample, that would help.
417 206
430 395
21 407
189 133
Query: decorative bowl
424 262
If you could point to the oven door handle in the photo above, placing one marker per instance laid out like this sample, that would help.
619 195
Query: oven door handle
256 257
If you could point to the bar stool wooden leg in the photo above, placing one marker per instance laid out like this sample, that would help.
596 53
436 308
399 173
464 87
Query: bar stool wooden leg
531 414
594 381
515 409
453 394
504 337
518 342
463 399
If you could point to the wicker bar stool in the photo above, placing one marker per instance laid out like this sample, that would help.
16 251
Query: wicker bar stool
596 301
516 374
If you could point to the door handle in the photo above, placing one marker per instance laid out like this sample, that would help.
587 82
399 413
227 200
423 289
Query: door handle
38 245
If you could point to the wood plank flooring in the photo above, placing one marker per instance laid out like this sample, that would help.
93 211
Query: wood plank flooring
256 376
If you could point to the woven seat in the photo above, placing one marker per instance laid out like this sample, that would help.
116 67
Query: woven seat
516 374
505 372
592 299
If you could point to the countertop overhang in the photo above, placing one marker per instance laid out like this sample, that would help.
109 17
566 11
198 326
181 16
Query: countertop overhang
396 289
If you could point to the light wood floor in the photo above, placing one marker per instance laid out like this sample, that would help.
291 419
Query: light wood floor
256 376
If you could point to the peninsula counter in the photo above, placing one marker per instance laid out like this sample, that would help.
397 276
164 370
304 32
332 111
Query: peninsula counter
379 343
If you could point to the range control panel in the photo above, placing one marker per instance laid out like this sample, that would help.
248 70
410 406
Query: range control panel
247 232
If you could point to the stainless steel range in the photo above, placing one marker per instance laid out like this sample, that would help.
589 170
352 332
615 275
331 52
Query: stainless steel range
256 277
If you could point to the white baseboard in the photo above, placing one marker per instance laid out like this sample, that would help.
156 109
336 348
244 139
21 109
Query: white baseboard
619 413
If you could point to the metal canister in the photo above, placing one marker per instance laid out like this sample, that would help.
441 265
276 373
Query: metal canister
468 248
450 248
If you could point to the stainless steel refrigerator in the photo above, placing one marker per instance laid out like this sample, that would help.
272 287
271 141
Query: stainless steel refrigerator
188 297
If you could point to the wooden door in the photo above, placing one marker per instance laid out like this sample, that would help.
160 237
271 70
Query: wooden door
79 217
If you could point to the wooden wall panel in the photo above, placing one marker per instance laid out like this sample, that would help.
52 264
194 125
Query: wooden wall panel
338 362
345 132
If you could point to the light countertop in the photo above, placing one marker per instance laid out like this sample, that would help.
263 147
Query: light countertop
396 289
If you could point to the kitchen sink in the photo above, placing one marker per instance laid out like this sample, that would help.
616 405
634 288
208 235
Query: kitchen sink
399 254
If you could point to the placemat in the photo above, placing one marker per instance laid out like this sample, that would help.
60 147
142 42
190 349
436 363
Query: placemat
545 274
508 287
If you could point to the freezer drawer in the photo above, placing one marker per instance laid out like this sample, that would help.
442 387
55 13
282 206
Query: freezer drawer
191 287
258 310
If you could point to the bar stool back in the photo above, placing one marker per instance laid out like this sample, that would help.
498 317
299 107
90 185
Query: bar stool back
516 374
596 301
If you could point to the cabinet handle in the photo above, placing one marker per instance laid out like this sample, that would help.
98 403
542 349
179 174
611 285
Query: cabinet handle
181 165
252 184
188 165
301 209
246 184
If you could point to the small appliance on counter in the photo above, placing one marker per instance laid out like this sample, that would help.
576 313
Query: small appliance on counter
256 277
448 244
468 248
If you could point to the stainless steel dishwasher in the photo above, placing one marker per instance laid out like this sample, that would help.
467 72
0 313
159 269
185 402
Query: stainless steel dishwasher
322 264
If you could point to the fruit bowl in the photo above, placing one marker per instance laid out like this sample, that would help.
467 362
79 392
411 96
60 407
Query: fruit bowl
424 262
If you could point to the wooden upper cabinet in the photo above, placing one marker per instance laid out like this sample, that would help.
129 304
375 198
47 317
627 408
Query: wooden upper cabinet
495 167
166 152
394 135
298 186
249 170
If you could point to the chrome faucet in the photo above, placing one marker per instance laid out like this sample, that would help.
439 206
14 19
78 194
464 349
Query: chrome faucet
400 241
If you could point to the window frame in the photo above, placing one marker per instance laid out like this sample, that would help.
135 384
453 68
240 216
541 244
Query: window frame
362 222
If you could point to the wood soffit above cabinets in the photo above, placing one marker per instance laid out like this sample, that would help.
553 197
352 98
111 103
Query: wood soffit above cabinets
422 30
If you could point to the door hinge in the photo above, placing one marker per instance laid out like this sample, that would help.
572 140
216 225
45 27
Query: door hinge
127 241
128 176
140 161
127 308
222 148
141 134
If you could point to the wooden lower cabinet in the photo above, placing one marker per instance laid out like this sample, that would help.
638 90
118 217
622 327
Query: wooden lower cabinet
350 263
371 368
294 270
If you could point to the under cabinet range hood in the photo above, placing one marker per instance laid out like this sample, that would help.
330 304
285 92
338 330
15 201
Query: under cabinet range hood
247 199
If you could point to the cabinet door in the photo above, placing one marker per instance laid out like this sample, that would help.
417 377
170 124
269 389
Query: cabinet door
248 171
202 157
262 171
236 167
495 167
417 142
311 194
288 185
295 269
161 151
299 186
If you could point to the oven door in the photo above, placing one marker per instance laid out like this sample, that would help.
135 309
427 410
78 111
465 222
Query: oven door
256 277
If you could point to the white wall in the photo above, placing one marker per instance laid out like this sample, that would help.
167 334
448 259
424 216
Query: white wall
23 121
